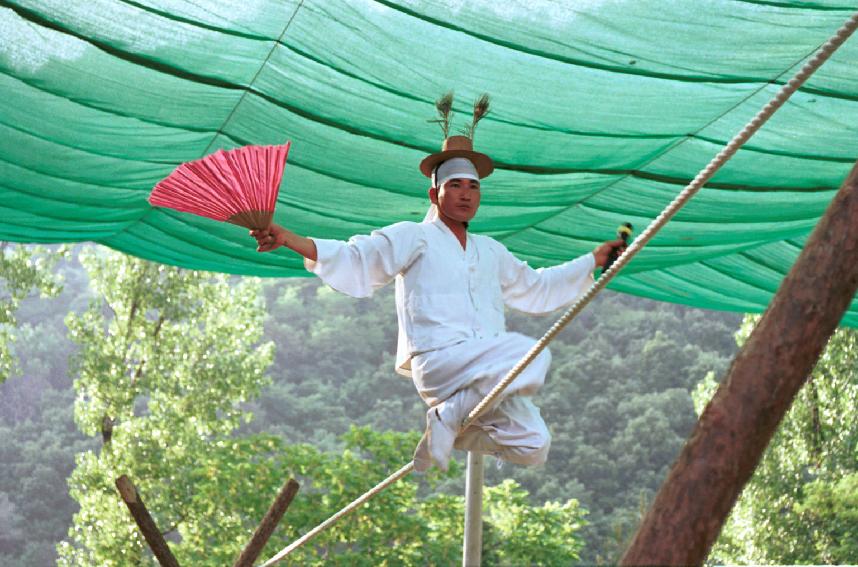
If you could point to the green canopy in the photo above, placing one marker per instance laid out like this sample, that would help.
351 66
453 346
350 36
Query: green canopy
602 111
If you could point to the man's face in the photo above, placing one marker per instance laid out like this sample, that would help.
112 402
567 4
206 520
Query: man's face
458 199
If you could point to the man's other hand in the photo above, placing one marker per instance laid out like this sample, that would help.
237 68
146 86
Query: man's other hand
603 251
269 238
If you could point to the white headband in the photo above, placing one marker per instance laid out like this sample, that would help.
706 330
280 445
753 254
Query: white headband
455 168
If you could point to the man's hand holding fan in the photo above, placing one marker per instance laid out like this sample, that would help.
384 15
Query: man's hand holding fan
276 236
270 238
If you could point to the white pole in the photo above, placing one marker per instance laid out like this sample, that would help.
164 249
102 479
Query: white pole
473 546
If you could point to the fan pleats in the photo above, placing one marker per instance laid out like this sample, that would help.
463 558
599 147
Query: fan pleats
238 186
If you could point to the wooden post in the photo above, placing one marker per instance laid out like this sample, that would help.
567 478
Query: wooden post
730 437
145 522
473 545
266 527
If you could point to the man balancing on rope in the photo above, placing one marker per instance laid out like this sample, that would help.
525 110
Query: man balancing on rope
451 288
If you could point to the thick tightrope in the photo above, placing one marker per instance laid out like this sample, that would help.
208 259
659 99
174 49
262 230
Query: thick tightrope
663 218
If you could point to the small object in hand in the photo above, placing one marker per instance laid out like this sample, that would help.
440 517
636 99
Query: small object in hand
239 186
624 232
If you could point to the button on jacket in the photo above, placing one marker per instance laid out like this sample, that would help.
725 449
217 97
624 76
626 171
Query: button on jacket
445 294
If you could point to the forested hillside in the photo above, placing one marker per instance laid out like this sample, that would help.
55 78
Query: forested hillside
618 402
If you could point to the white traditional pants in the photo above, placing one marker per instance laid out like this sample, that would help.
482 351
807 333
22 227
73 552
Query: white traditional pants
512 428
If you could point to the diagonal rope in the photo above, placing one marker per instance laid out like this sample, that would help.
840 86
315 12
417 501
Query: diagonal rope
663 218
249 86
404 471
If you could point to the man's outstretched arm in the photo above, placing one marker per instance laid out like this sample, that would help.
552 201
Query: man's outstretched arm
357 267
544 290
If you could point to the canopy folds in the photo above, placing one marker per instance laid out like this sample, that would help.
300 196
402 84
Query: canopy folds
602 111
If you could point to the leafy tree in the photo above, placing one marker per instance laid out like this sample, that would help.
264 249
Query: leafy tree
394 528
800 505
166 359
518 533
830 510
22 269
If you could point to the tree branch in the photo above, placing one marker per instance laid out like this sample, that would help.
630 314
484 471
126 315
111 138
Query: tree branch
139 372
145 522
267 525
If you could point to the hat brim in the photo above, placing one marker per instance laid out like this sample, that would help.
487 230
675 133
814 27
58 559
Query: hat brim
483 163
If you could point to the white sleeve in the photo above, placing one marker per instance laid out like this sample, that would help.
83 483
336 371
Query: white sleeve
546 289
366 263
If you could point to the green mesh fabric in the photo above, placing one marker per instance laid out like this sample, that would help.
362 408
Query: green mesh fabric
602 111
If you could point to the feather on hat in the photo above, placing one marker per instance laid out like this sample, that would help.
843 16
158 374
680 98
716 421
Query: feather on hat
459 146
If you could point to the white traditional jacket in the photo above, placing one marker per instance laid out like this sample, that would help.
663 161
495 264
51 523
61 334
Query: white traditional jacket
445 294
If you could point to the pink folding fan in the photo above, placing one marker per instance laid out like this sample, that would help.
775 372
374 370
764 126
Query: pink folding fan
238 186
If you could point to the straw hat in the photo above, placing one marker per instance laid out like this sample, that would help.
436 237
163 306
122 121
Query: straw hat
459 146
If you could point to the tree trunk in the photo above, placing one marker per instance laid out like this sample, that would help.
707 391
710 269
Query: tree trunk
106 429
735 428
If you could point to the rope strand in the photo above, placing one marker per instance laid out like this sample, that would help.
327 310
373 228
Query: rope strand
404 471
663 218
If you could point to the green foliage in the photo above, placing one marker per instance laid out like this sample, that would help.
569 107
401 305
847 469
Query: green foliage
830 510
399 528
22 270
800 505
167 357
518 533
619 408
333 366
38 438
394 528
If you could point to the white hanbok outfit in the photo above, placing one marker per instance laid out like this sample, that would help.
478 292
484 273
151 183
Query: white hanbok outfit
450 309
